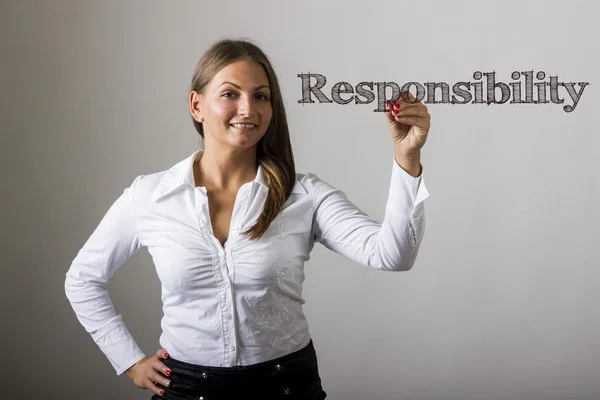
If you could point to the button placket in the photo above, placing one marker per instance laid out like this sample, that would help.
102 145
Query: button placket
228 306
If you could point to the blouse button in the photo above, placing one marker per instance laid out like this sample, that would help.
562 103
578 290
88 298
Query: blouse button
204 375
287 391
278 367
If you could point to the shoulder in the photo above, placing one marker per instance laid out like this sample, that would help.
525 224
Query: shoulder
145 186
314 184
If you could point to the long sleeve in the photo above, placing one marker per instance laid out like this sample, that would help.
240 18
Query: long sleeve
113 242
391 245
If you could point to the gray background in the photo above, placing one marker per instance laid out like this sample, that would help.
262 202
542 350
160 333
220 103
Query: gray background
502 301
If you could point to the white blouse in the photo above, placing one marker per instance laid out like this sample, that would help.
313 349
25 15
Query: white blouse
240 303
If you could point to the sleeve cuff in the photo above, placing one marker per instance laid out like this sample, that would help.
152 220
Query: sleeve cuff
406 192
120 348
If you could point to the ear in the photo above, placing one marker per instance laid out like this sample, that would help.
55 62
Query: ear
195 104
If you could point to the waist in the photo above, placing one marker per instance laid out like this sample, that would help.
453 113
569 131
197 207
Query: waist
303 358
295 373
247 342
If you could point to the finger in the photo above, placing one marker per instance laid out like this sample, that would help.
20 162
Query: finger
410 112
397 105
388 114
150 385
407 106
160 367
159 380
414 121
162 353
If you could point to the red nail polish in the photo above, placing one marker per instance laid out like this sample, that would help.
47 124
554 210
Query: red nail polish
395 111
168 372
397 106
162 392
166 355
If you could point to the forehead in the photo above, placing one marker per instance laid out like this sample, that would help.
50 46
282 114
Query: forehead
247 74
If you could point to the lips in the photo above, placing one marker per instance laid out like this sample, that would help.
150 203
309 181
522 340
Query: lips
244 125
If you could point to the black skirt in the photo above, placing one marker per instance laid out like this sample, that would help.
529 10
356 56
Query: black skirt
291 377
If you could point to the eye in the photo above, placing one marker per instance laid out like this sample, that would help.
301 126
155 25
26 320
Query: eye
263 97
226 94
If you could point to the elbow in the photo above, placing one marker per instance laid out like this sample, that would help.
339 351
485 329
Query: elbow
403 254
401 266
78 286
70 287
402 262
407 266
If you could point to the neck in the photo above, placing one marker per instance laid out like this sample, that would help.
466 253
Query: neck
225 170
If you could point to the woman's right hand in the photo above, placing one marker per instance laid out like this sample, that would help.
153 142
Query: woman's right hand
147 372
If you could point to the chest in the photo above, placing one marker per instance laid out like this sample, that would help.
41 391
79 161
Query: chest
220 207
178 233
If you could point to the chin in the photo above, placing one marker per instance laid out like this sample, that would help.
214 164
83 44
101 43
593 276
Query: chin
243 143
246 139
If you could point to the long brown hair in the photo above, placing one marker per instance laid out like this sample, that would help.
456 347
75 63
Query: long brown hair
274 149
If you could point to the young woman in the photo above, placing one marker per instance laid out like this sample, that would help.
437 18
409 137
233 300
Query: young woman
229 229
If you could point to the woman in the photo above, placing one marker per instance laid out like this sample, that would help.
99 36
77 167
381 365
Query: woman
229 229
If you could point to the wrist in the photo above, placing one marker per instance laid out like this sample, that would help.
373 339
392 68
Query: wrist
407 154
129 371
411 163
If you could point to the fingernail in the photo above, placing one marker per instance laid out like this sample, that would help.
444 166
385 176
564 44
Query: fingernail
168 372
162 392
397 106
395 111
166 355
167 382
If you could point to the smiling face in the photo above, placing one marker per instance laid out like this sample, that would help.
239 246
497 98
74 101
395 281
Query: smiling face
236 105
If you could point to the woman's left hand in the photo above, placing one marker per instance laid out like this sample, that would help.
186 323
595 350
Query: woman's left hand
409 123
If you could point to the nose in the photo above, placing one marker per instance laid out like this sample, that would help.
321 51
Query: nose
246 106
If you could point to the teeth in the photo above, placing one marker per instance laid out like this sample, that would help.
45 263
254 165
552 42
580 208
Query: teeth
243 125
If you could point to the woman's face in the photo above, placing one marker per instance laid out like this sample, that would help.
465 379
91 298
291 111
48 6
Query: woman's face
236 105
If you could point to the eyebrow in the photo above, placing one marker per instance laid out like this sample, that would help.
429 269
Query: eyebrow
239 87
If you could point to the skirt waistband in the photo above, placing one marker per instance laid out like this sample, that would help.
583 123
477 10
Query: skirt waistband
305 356
293 376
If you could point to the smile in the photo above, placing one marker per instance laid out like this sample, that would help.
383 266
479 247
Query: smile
243 126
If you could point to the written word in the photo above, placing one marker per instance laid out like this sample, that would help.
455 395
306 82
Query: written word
522 91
